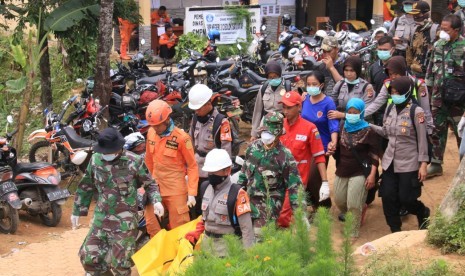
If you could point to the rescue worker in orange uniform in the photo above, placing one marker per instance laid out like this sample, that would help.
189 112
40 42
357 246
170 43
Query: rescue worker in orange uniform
125 30
167 42
160 16
303 140
169 158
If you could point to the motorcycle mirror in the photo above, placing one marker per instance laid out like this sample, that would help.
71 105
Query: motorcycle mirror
372 21
142 41
239 47
263 27
9 119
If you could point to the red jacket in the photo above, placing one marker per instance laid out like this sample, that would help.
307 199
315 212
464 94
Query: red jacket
303 140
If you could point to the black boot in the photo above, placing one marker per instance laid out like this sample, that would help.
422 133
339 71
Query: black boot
423 219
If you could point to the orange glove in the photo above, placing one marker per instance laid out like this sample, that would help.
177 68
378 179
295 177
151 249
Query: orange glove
193 236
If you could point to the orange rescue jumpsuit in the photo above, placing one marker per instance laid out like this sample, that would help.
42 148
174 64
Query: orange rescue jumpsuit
125 30
169 159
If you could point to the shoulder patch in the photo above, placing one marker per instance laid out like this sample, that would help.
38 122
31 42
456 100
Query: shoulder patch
188 144
421 117
422 90
225 131
370 91
242 203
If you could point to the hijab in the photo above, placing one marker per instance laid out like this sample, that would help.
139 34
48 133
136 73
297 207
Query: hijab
358 104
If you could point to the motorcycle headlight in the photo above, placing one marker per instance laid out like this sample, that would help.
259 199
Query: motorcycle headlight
87 125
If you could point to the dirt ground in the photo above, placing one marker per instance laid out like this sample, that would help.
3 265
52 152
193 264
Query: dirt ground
39 250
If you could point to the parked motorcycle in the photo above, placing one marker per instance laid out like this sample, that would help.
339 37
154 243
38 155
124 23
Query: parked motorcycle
38 190
9 199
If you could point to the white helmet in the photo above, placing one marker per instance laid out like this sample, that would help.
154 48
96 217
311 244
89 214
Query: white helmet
216 160
321 33
293 52
380 29
199 95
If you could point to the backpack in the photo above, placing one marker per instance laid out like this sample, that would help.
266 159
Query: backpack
231 204
235 143
412 115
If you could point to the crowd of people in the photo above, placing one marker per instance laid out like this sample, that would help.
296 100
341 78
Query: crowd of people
382 132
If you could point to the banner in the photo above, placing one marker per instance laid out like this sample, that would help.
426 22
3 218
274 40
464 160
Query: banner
202 20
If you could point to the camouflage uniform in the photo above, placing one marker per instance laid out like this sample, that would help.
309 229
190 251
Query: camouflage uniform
444 114
270 171
114 226
461 14
421 45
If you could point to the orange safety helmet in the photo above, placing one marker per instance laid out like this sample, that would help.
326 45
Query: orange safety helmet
157 112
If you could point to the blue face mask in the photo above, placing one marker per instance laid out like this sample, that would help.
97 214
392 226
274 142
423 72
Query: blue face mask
353 118
384 54
461 3
275 82
399 99
408 8
313 90
356 81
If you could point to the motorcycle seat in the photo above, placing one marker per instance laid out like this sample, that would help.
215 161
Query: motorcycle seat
30 167
221 65
241 90
151 80
77 141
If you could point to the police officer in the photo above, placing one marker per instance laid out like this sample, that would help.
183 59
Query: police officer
271 170
402 29
115 174
447 62
269 95
396 67
203 138
422 40
405 159
351 86
216 221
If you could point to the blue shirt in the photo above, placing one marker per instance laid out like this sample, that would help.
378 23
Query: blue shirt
318 114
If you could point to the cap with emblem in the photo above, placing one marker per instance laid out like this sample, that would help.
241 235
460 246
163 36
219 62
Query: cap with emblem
420 7
273 122
109 141
329 43
291 98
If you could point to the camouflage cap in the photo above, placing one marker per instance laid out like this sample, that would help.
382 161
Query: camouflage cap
273 122
329 43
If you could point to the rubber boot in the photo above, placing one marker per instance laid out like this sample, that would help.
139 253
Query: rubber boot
423 219
434 169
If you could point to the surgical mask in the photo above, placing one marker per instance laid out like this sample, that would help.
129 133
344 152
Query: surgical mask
384 54
399 99
356 81
313 90
444 36
109 157
267 138
353 118
275 82
408 8
461 3
216 179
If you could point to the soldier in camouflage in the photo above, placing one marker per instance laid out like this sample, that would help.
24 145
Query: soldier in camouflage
422 40
461 13
115 174
268 171
447 61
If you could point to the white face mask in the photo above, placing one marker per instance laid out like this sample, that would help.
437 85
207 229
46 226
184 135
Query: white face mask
267 137
444 36
109 157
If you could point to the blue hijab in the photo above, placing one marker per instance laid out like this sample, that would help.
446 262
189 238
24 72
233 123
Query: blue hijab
358 104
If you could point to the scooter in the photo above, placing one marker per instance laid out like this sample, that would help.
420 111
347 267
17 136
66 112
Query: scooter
9 199
38 190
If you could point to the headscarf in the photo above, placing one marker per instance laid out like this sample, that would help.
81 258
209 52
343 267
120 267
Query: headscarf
358 104
403 85
273 67
356 64
398 65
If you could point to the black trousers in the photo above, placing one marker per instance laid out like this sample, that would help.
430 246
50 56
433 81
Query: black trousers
166 52
400 189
